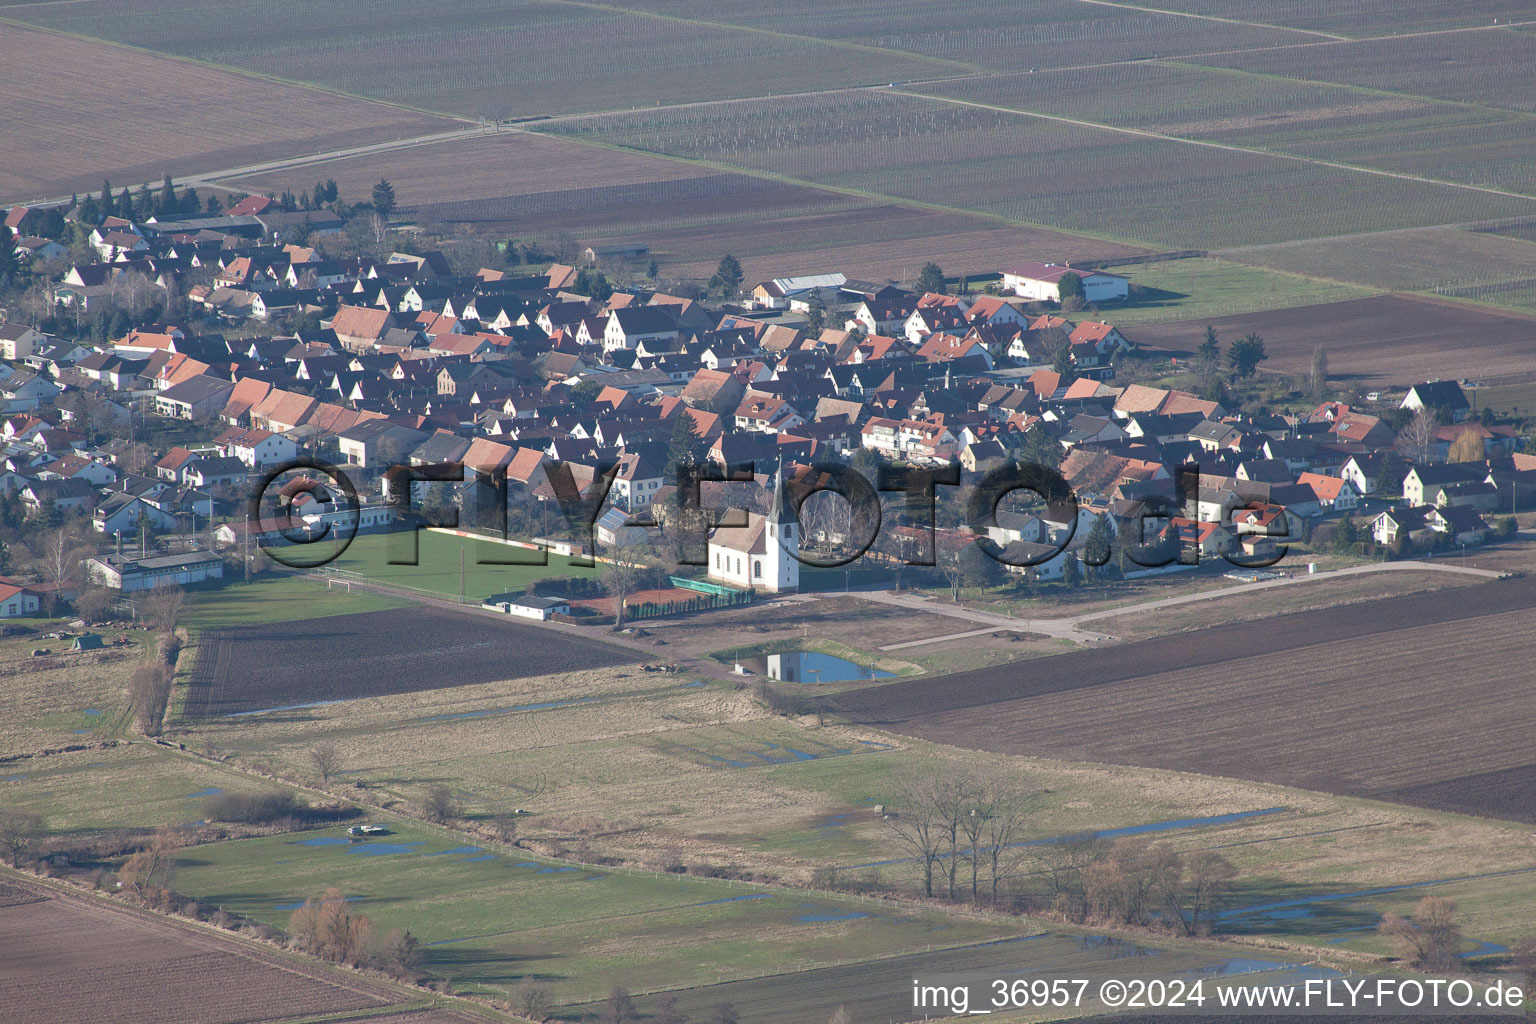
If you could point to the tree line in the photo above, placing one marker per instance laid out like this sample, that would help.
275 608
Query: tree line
966 832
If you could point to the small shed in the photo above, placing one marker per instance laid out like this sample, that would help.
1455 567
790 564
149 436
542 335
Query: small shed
604 255
87 642
528 606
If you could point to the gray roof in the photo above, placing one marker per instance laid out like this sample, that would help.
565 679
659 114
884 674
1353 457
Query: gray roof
197 389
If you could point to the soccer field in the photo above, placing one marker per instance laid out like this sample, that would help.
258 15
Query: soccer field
449 565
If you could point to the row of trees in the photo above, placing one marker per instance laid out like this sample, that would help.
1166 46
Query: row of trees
327 927
1134 881
165 202
965 831
620 1009
961 828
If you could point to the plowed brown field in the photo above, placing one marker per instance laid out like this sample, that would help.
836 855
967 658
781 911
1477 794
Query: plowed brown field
372 654
1386 339
1424 699
75 960
76 111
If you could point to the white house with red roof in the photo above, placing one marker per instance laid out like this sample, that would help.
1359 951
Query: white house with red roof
16 599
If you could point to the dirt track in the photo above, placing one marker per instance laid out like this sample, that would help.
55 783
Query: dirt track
1423 699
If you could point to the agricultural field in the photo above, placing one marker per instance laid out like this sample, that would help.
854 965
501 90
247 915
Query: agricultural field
1362 127
535 186
869 991
1430 340
992 34
870 243
1484 266
1332 714
65 95
1206 287
1291 847
278 666
139 786
66 697
1506 399
87 962
491 917
1486 68
454 57
1356 19
1425 259
1071 177
1237 606
532 186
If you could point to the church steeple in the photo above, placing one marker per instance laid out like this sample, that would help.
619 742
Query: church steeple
778 512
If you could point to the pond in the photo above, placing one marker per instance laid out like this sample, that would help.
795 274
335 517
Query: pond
811 667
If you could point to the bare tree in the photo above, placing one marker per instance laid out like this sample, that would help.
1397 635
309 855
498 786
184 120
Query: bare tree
326 759
947 557
1413 440
18 831
149 693
162 606
620 573
1206 875
1431 938
59 562
1068 860
667 1011
505 826
148 873
928 806
401 953
440 804
94 603
620 1008
534 999
328 928
840 1016
1009 807
683 530
1124 887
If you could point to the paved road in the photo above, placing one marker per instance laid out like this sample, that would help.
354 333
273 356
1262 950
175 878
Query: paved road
1067 627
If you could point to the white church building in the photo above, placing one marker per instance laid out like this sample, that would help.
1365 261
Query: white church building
762 554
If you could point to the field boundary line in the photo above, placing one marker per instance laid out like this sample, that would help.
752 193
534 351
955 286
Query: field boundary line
839 44
1189 62
1245 588
1227 147
229 69
1066 626
1224 21
883 198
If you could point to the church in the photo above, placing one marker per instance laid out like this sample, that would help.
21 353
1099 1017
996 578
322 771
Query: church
763 555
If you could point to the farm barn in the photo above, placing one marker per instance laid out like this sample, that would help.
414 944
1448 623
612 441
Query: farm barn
1041 282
